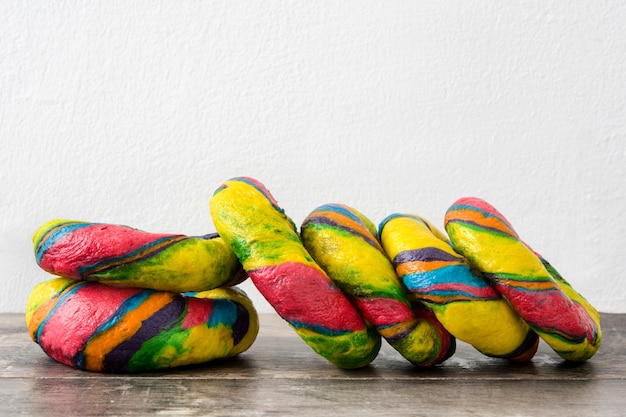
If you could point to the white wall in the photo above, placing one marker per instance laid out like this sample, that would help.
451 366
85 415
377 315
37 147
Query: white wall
134 112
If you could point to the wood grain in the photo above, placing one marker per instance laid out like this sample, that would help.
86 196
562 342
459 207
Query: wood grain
280 375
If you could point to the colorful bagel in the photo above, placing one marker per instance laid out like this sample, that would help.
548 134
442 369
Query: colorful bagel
342 241
124 256
265 240
102 328
552 308
465 303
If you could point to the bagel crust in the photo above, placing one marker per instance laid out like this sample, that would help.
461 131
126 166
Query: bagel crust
123 256
265 240
101 328
544 299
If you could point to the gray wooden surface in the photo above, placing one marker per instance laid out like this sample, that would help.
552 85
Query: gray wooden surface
280 375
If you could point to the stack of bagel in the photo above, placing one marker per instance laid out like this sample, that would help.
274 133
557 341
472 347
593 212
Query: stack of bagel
125 300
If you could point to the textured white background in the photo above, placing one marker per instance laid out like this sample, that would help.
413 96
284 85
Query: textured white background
134 112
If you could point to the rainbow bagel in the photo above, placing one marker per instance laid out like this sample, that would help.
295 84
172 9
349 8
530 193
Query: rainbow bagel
265 240
342 241
464 303
101 328
123 256
550 306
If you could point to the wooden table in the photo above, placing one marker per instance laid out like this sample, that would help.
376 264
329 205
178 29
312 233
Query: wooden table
280 375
